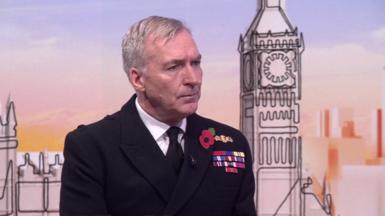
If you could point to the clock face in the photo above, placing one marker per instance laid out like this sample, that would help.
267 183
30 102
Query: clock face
248 73
277 69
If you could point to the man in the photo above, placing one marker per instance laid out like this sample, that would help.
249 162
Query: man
156 156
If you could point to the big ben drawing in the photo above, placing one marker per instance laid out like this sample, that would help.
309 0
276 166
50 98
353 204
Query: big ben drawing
270 91
270 55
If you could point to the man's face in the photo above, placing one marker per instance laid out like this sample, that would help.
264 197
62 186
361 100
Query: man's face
172 78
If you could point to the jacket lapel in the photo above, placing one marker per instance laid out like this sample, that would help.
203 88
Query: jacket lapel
142 150
190 175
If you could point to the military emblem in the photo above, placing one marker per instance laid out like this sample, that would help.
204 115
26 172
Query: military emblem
230 160
223 138
208 137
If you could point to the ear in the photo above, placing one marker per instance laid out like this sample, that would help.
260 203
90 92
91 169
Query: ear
136 79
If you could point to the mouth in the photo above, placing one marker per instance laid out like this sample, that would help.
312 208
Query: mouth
194 96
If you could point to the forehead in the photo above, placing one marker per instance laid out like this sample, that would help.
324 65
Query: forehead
181 44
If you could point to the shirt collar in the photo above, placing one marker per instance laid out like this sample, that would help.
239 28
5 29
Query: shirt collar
156 127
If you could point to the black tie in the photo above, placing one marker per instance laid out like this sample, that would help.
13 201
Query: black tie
174 153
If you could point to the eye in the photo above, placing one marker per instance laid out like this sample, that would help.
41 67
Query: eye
196 63
174 67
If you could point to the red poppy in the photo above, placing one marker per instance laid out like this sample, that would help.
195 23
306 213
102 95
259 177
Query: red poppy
206 138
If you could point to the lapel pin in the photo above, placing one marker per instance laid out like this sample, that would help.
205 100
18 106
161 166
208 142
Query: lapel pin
193 162
206 139
223 138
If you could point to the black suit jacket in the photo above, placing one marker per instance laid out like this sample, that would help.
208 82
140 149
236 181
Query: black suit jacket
115 167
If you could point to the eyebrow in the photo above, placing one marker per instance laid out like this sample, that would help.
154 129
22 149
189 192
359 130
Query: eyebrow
199 57
181 61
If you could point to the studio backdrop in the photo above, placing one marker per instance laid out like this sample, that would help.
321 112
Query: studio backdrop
303 80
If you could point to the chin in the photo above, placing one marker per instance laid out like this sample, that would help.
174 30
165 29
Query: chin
189 109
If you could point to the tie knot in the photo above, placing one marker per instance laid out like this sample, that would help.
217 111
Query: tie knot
173 132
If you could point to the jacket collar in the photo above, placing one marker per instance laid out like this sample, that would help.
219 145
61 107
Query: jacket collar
142 150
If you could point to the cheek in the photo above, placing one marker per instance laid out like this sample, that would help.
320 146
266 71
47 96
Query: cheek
200 74
163 87
164 92
153 85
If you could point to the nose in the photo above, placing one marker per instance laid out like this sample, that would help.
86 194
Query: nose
193 75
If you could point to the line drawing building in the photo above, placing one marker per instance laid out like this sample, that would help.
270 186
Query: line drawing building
8 145
270 91
26 189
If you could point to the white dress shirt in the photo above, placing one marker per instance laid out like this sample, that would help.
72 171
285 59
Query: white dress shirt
158 129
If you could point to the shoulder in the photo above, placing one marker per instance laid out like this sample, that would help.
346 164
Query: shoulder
102 129
110 125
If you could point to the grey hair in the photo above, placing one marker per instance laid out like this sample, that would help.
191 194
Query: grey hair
133 41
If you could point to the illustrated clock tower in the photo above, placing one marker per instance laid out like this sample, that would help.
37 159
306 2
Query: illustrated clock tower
270 59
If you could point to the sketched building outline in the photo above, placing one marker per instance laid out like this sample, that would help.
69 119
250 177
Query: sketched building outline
270 91
27 188
8 145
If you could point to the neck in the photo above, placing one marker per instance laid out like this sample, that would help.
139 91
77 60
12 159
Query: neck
160 116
